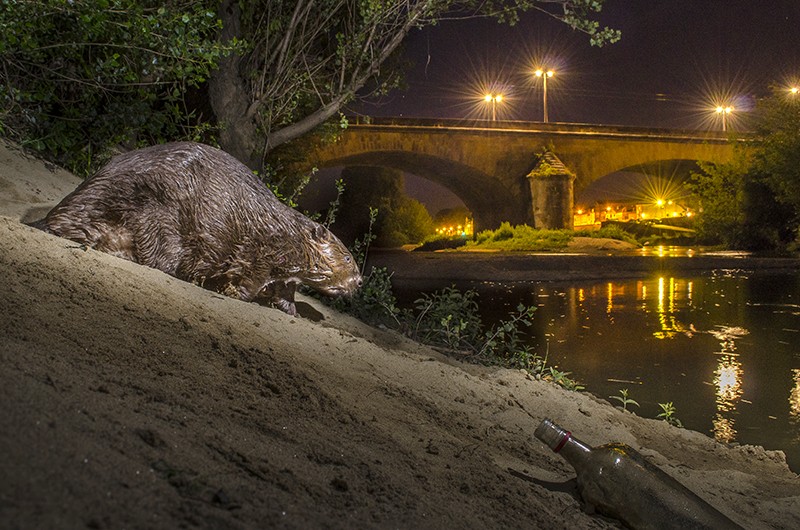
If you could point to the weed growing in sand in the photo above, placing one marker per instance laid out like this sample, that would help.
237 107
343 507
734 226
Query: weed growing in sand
624 399
447 318
561 378
668 414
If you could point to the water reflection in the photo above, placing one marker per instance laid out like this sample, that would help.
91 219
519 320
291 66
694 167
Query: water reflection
794 397
670 292
723 347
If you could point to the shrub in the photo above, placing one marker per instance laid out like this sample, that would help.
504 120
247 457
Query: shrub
447 318
503 233
522 238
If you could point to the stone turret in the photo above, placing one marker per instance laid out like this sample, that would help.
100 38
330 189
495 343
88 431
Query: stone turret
551 193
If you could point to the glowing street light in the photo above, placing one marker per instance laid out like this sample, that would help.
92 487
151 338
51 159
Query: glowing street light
544 74
494 99
794 90
724 111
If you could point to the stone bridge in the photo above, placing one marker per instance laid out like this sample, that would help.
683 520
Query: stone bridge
499 169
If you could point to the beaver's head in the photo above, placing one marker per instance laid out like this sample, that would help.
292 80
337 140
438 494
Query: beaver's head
332 270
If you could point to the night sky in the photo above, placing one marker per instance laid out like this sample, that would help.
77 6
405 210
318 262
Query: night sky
676 60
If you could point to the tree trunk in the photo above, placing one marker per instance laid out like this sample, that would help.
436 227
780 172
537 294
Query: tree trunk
229 98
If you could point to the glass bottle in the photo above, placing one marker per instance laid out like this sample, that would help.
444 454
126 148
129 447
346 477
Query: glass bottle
619 482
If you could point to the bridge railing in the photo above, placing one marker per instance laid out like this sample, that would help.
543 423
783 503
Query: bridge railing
554 128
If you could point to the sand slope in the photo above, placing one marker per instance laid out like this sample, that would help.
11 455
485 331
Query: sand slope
134 400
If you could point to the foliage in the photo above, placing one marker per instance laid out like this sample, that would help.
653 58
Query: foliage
80 78
753 202
408 222
740 209
521 237
668 414
333 207
440 242
374 302
447 318
401 219
561 378
366 188
720 190
350 44
504 344
777 155
624 399
361 246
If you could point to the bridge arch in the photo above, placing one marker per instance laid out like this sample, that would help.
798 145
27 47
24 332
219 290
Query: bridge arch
486 164
650 181
486 197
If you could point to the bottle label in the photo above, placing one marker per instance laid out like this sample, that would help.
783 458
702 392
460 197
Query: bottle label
563 442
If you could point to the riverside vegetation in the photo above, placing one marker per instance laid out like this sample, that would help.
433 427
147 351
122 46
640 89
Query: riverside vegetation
449 319
525 238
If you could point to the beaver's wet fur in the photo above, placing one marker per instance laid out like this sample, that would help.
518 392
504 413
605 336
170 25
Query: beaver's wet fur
197 213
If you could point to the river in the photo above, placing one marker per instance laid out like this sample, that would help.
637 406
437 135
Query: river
722 345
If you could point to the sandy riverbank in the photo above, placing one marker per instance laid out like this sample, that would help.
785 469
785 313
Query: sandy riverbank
134 400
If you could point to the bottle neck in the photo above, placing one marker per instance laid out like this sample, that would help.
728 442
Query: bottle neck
562 442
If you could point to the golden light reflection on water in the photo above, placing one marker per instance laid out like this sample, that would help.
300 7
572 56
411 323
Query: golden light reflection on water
669 293
723 429
685 339
727 382
794 397
672 294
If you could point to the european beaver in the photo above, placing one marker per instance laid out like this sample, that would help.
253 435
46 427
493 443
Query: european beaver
197 213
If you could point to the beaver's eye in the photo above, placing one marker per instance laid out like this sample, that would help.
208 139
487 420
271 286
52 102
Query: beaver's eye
347 259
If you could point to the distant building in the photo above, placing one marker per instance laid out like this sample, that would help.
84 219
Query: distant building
588 218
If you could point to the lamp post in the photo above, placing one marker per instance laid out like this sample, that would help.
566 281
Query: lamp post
724 111
544 75
494 99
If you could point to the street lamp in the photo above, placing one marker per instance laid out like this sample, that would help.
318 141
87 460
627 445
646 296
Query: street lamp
724 111
794 90
494 99
544 75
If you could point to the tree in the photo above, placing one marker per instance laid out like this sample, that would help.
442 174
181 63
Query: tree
102 72
308 58
778 152
401 220
753 202
719 189
79 77
408 222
